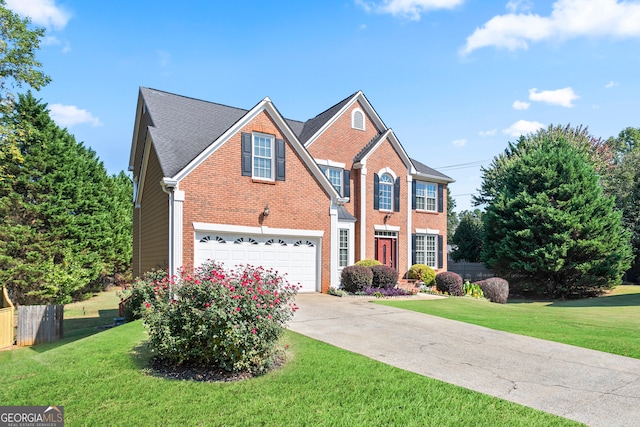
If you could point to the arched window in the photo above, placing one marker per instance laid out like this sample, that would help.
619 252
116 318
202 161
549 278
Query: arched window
357 119
386 192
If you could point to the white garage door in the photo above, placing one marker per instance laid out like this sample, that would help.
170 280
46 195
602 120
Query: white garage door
296 256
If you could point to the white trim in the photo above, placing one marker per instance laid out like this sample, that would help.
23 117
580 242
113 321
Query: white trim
363 211
263 230
333 250
409 221
330 163
396 145
364 121
136 130
427 231
388 171
178 201
386 227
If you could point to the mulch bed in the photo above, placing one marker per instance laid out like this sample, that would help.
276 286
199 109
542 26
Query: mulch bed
158 368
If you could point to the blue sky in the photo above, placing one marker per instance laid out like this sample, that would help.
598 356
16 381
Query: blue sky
455 79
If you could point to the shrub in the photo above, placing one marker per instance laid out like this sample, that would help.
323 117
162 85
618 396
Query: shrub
142 290
224 319
355 278
472 290
424 273
495 289
449 282
383 276
385 292
368 262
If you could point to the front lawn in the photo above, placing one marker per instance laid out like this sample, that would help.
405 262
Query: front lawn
100 380
609 323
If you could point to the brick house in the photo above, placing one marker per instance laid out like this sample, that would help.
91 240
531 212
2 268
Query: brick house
306 198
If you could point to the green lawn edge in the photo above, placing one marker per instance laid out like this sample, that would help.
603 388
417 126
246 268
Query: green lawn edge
609 323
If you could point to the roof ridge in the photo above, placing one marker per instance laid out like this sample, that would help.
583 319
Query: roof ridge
193 98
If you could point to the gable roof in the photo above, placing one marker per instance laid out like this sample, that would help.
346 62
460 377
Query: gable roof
312 126
428 172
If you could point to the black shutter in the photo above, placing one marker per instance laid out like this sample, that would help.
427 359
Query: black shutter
413 195
413 249
396 195
246 154
280 161
376 191
440 197
346 183
440 251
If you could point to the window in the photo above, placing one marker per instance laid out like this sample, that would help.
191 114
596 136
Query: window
425 250
335 177
357 119
425 196
343 248
385 192
262 156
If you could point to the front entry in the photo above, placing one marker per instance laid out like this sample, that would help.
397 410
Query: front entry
386 251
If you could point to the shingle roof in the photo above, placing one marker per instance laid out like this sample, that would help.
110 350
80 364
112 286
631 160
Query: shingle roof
311 126
367 147
426 170
183 127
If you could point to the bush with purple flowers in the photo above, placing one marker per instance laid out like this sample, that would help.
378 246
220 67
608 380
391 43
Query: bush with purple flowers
218 318
383 276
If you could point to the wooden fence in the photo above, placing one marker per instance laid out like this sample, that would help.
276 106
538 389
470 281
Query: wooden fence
472 271
38 324
6 320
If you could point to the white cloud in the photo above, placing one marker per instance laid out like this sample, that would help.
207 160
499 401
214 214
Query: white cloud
563 97
70 115
568 19
41 12
488 132
459 142
514 6
611 84
522 127
521 105
411 9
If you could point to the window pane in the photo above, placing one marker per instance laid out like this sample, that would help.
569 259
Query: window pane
430 197
344 248
420 194
419 250
430 250
335 177
262 156
386 191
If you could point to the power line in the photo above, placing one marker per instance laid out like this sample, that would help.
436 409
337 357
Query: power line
464 165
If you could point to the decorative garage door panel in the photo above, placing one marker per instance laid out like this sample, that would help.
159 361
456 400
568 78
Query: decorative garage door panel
295 256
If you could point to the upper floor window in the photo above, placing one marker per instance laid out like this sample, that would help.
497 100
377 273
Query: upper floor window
335 177
357 119
263 157
426 196
385 192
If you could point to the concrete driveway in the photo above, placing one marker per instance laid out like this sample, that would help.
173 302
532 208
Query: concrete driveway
596 388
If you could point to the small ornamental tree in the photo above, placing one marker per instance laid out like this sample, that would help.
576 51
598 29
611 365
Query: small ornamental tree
221 319
551 228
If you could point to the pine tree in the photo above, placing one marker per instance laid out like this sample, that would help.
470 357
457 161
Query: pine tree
550 227
58 232
468 237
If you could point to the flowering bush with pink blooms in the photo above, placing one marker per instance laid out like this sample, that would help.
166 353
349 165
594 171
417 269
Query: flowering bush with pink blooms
218 318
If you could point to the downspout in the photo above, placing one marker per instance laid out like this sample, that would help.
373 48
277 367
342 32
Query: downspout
169 186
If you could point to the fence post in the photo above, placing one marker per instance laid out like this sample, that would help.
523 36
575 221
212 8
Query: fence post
6 320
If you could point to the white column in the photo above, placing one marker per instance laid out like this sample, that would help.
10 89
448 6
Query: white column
178 199
334 239
364 195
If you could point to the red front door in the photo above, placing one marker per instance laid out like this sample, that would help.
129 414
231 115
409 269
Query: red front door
385 251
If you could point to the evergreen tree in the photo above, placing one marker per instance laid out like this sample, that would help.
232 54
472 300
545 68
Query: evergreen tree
452 217
468 237
58 231
550 227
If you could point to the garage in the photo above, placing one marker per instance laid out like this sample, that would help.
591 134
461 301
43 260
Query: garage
296 256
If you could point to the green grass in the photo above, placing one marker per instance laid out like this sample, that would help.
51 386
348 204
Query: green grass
609 323
100 379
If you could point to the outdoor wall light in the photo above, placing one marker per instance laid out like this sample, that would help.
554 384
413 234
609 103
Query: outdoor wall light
265 212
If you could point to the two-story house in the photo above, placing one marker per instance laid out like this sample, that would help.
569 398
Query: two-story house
304 198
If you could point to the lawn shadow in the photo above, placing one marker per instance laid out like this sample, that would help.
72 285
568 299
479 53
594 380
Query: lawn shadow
629 300
80 327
